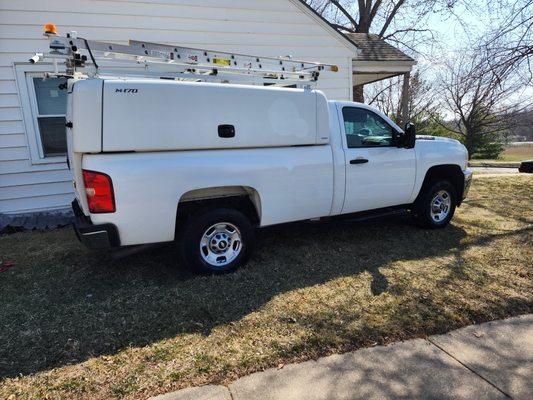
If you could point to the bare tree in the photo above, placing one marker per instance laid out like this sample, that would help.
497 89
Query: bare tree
478 87
387 96
378 16
510 38
398 21
480 97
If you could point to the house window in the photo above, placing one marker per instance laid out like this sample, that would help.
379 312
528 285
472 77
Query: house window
44 105
49 109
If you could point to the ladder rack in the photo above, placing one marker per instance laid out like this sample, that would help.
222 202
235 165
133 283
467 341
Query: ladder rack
83 57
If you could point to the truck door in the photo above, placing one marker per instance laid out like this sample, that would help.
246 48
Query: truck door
378 174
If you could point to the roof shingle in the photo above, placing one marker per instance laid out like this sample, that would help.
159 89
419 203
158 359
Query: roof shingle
374 48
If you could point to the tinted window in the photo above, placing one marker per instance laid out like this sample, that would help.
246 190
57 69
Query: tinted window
365 128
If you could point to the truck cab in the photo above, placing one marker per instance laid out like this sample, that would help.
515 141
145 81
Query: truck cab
384 165
379 168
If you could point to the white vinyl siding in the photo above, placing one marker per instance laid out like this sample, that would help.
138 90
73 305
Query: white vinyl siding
268 28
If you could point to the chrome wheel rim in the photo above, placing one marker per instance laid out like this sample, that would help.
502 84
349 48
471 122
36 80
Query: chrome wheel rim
221 243
440 206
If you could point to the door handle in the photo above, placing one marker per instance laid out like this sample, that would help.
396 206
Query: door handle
359 161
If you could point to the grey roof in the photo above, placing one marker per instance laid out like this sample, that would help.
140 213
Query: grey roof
374 48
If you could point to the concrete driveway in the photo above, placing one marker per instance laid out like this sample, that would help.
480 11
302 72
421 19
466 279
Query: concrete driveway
494 170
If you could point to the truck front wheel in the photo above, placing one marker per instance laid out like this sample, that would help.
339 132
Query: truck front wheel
435 206
217 240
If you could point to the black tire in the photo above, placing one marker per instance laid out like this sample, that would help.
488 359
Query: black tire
193 232
421 210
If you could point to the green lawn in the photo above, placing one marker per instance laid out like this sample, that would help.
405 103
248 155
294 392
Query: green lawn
76 324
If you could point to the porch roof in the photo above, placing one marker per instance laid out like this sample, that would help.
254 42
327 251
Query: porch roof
376 59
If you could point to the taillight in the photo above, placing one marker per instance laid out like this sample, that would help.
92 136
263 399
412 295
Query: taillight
99 191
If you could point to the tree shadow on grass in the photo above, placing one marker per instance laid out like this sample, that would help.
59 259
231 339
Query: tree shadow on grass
66 304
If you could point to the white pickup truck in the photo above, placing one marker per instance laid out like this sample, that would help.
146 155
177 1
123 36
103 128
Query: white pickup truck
204 164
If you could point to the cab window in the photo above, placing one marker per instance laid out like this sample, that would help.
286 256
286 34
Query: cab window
365 129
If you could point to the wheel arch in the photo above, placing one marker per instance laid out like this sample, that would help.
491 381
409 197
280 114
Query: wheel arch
450 172
242 198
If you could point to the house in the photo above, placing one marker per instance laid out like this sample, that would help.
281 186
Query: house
35 182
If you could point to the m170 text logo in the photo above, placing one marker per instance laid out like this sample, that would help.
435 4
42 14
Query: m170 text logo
126 90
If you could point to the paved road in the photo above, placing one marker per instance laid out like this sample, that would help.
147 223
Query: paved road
494 170
488 361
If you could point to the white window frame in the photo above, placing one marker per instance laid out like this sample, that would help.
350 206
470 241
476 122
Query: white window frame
24 73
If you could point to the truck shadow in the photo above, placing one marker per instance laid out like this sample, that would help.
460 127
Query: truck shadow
90 305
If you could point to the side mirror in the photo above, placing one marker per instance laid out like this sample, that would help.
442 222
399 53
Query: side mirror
409 137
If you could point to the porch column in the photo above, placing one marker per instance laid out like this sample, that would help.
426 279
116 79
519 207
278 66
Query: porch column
358 94
405 99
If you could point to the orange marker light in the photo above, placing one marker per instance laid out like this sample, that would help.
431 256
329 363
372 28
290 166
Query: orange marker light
50 29
335 68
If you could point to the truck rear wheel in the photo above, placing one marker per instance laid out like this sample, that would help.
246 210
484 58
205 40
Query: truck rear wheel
435 207
217 240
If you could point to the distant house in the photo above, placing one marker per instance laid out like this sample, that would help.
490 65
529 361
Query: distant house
34 177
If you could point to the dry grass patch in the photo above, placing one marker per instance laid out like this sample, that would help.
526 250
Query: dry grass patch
517 153
79 325
510 157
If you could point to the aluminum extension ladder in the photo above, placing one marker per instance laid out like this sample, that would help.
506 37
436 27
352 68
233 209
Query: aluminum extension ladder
82 57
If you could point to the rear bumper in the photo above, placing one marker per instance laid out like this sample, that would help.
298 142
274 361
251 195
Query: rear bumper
468 181
95 237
